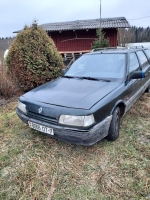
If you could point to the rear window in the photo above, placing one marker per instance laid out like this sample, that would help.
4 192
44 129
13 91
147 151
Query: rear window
148 53
134 64
142 58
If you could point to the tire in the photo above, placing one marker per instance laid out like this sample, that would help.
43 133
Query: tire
148 89
113 132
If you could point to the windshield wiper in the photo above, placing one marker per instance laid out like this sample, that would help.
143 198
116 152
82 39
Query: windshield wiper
72 77
88 78
68 76
95 79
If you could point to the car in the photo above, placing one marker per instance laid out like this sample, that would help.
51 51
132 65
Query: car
86 103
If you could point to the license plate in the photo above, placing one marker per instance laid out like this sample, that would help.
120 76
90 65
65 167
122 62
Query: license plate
41 128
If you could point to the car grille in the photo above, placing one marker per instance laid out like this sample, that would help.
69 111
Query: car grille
42 117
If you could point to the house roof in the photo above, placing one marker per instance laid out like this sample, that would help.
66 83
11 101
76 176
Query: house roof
117 22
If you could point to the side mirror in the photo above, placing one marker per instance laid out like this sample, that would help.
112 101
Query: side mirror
137 75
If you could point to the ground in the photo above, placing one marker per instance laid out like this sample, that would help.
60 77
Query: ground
4 101
34 166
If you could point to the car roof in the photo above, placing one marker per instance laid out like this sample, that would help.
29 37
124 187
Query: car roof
114 50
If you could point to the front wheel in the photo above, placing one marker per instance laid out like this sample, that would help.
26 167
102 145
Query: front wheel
114 126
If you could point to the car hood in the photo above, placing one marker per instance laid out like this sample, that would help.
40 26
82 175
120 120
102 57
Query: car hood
73 93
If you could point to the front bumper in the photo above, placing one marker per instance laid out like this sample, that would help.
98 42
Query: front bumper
74 136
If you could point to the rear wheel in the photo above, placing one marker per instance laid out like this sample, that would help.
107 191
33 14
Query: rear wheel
114 126
148 89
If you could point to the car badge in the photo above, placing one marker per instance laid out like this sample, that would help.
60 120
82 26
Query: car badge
40 109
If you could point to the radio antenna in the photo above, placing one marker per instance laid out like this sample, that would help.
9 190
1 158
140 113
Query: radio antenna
100 24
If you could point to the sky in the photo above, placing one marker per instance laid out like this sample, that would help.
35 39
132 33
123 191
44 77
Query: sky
15 14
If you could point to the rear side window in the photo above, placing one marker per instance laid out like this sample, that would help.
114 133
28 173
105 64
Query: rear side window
142 58
134 64
148 53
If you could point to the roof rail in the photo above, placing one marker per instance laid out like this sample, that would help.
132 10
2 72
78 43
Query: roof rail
118 47
136 47
105 48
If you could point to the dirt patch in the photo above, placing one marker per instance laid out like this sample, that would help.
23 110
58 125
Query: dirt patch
4 101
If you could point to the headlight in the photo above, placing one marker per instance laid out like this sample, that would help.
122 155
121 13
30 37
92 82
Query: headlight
76 120
22 107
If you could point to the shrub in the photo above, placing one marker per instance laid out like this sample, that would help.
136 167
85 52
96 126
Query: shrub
33 58
8 87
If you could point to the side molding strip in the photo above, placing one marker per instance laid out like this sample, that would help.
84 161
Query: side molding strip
136 96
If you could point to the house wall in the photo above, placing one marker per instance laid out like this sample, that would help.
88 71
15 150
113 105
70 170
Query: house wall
80 40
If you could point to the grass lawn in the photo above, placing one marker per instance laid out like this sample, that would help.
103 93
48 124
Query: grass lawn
34 166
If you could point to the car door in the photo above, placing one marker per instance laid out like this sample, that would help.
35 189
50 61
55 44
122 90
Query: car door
134 84
145 65
134 66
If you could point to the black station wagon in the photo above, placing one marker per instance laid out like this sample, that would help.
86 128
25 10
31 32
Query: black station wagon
86 103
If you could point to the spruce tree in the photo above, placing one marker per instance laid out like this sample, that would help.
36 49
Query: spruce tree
101 41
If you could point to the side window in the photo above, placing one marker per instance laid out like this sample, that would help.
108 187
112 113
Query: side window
142 58
148 53
133 63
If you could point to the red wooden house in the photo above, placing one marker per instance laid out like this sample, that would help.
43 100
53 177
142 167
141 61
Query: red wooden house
77 36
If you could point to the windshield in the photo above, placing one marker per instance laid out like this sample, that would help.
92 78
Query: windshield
102 66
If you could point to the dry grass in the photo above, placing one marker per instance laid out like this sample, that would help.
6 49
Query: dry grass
34 166
8 87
